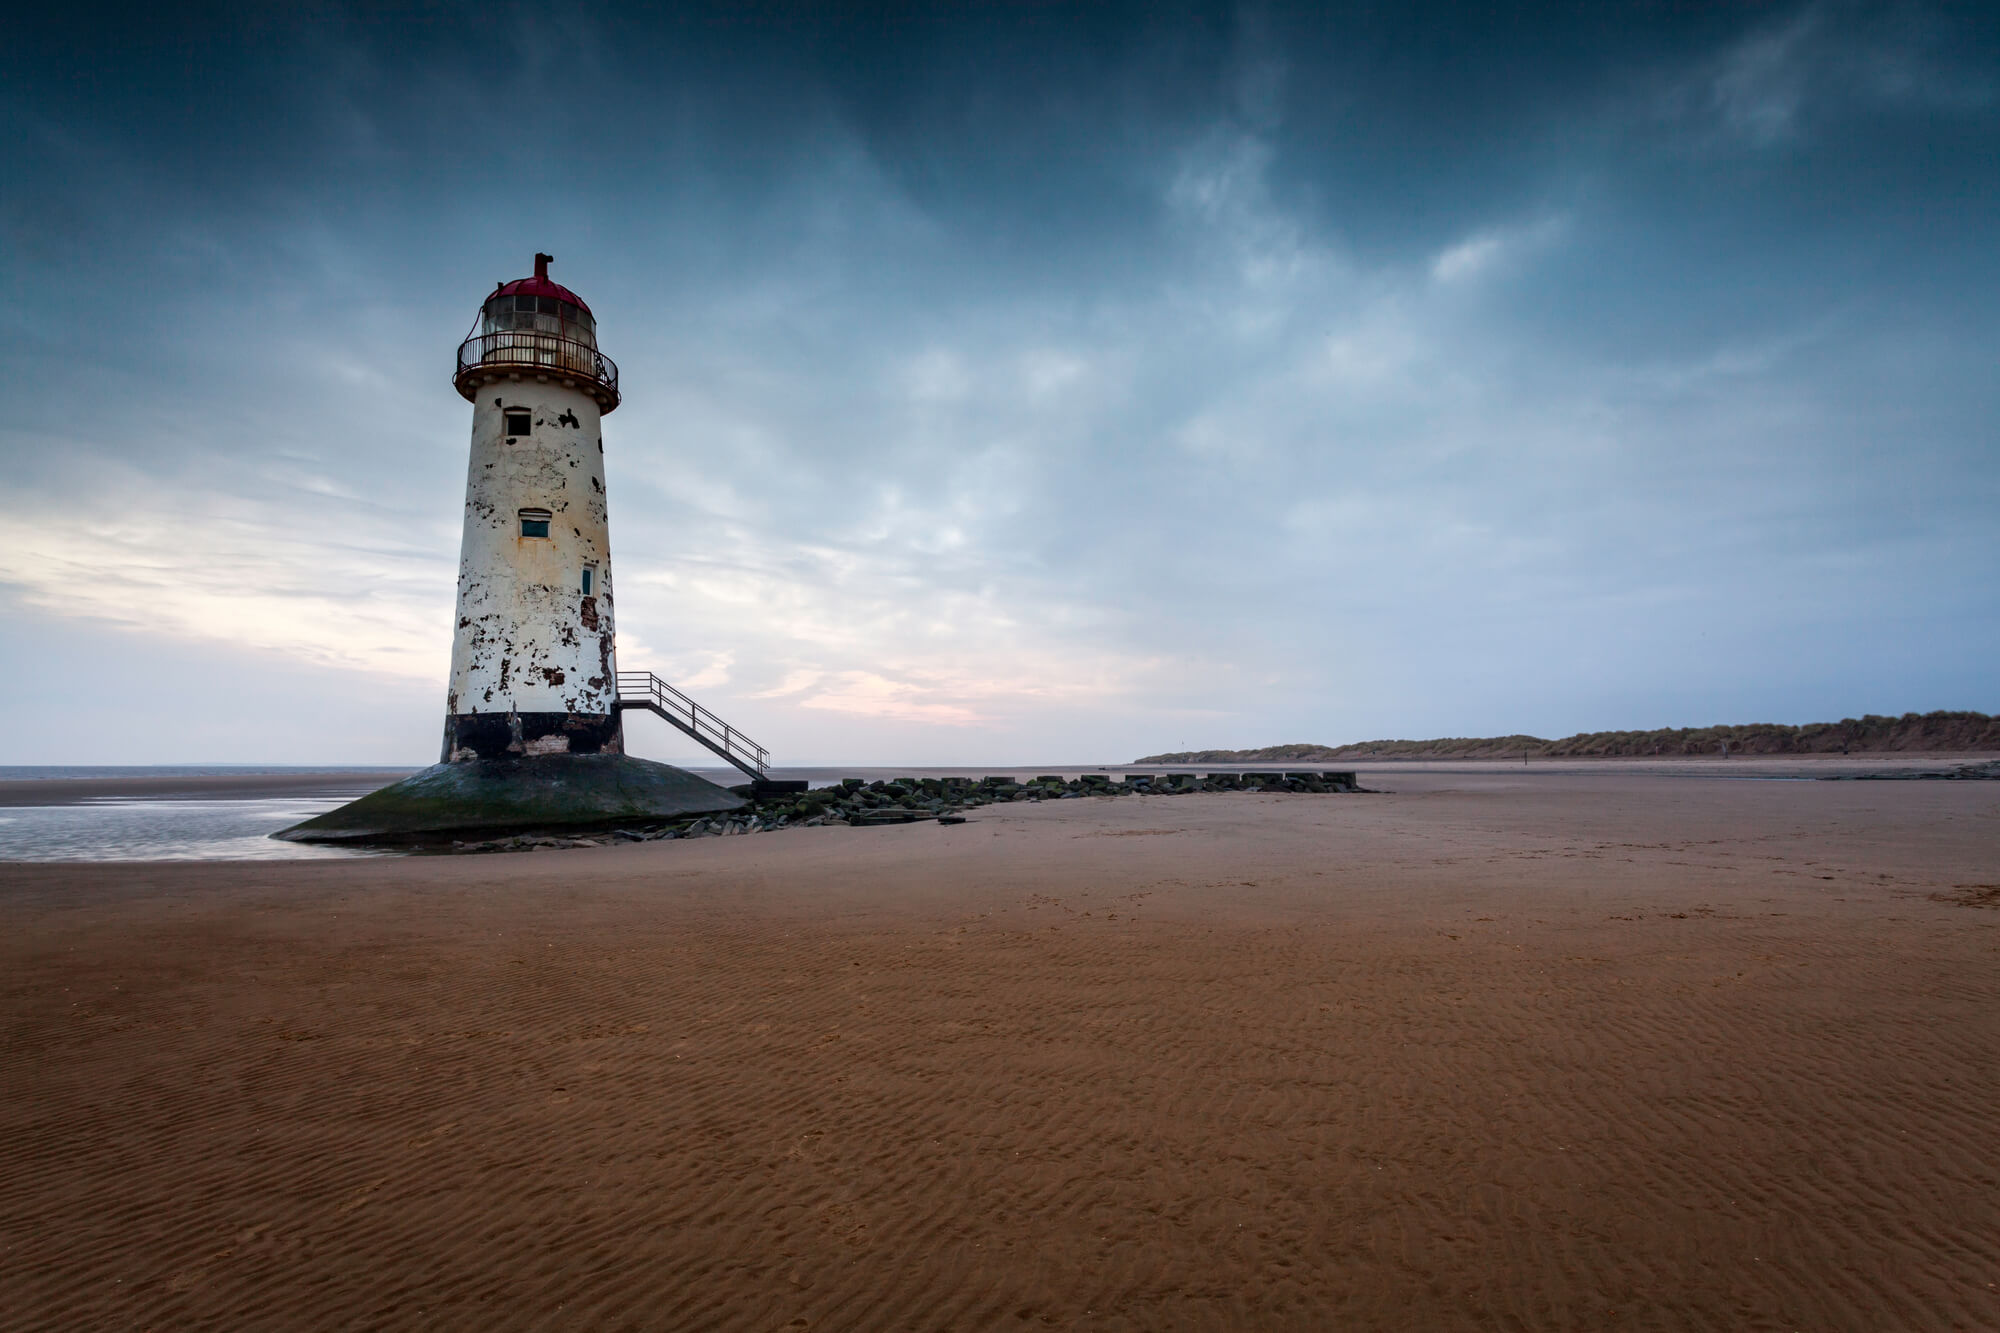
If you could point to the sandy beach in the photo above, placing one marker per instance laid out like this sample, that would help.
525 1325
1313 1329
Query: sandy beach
1497 1050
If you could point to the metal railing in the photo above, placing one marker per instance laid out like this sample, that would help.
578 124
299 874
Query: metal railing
521 350
643 689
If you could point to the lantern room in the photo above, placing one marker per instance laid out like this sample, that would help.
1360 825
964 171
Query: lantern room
536 327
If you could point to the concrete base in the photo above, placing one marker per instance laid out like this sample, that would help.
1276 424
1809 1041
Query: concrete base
489 796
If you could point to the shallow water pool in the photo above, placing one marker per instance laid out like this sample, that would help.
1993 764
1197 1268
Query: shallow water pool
111 829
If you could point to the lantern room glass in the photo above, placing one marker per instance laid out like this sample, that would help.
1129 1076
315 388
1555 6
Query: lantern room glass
539 314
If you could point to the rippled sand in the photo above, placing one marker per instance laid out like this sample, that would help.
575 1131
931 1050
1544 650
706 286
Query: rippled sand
1495 1051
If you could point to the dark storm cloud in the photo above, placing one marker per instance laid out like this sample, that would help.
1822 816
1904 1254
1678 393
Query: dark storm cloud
1048 377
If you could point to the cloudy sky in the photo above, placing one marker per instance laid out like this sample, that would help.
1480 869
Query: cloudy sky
1016 383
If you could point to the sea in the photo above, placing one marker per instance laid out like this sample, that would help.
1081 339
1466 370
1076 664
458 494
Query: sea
67 814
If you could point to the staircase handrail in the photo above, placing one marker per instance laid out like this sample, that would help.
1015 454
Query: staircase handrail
643 688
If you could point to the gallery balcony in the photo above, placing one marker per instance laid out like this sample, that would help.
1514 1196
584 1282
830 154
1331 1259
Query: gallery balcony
489 358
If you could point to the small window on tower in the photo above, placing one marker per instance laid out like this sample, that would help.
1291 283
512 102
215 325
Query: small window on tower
519 422
589 580
535 522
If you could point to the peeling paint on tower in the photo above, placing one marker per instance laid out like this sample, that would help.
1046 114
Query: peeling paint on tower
534 651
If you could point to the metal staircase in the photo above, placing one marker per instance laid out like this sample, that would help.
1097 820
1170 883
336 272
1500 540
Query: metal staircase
643 689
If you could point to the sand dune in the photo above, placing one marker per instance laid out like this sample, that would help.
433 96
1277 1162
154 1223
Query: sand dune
1939 732
1485 1053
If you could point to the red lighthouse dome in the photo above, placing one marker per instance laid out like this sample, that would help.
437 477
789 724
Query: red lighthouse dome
541 285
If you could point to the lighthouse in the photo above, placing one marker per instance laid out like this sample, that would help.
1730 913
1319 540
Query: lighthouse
533 657
533 737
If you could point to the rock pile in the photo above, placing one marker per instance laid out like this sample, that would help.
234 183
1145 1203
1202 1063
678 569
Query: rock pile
856 802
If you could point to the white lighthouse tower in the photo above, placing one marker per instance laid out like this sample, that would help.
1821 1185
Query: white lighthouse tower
532 732
533 660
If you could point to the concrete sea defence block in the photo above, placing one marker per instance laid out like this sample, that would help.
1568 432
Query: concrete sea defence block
534 792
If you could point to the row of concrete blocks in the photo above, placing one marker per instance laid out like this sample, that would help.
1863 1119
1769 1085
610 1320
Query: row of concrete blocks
1341 778
952 789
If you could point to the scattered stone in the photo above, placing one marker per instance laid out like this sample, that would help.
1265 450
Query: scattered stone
873 817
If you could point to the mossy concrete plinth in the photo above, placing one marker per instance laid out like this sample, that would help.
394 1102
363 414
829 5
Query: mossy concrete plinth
490 796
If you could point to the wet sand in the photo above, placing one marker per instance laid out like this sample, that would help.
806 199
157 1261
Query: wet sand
1495 1051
